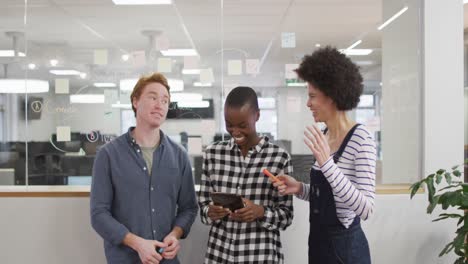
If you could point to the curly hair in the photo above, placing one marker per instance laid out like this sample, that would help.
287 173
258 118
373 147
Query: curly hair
333 74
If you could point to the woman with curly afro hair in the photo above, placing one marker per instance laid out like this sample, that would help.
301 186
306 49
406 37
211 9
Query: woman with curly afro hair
342 180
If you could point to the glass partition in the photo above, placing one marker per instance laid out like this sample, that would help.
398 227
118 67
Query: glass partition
79 62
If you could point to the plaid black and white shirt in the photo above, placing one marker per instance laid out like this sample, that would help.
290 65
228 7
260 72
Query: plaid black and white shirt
226 170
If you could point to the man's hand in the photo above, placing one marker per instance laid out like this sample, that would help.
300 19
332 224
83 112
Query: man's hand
146 248
172 248
172 242
217 212
249 213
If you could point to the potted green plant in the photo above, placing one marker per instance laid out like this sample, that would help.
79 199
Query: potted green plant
451 194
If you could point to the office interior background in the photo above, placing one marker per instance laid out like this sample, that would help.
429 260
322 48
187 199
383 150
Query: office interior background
67 69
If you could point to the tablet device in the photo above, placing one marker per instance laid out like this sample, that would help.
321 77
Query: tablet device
227 200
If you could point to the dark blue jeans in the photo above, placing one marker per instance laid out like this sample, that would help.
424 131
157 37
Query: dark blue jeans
339 246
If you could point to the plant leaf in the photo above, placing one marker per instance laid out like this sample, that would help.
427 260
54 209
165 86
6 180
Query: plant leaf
430 188
445 216
448 177
432 205
446 249
451 186
414 189
457 173
438 178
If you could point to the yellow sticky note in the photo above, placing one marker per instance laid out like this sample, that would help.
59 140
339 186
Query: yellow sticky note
206 75
164 65
100 57
62 86
63 133
234 67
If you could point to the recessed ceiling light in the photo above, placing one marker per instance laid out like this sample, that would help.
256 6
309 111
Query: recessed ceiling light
87 99
142 2
53 62
354 44
317 45
390 20
297 84
356 52
193 104
179 52
23 86
83 75
31 66
125 57
104 84
199 84
65 72
10 53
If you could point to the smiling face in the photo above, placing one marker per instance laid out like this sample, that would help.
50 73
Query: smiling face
321 106
152 105
240 123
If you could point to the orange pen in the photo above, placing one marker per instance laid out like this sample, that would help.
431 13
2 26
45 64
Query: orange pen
271 176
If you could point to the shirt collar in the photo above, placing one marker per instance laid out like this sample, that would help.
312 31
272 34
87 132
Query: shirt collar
132 141
260 145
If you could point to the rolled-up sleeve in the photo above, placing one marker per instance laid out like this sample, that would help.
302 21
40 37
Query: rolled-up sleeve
186 203
279 216
101 201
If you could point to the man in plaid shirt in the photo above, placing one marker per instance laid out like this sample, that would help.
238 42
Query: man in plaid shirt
250 234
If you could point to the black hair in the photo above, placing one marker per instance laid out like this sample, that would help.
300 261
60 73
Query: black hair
241 96
333 74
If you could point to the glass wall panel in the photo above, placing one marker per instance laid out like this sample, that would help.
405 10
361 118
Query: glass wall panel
82 59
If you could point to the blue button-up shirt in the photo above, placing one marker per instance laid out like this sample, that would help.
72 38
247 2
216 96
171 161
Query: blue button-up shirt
124 198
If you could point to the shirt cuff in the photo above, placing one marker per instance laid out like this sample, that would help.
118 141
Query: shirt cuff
267 219
327 164
304 195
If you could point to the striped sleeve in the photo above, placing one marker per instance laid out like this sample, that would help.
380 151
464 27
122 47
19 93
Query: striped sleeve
305 192
355 192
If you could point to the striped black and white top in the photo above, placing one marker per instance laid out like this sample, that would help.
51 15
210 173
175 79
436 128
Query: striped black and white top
352 178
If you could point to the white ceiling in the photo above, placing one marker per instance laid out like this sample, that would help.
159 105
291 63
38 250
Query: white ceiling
71 30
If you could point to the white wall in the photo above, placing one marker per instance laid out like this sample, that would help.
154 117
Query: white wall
443 84
57 231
